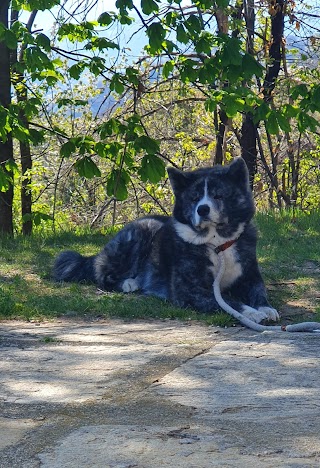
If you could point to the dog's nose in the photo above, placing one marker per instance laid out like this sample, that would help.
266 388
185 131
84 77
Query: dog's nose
203 210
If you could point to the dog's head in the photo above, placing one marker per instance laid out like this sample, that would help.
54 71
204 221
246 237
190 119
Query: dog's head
215 200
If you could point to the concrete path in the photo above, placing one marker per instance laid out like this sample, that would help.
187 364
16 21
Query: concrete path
157 394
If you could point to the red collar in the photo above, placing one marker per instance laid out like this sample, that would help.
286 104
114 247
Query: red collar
225 246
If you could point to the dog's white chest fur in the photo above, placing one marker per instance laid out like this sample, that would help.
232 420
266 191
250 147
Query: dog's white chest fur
233 268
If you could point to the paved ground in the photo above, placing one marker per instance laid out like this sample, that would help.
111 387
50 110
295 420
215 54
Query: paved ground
157 394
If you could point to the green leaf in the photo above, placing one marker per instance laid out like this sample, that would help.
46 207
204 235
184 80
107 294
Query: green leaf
10 39
5 126
20 132
169 46
148 6
36 59
233 104
125 19
210 104
117 184
85 144
251 67
283 122
101 149
146 143
189 71
167 68
182 36
5 180
261 112
105 19
156 34
272 124
222 3
116 84
114 149
71 102
231 54
290 111
300 90
37 217
11 166
101 43
171 18
67 149
305 122
36 136
30 5
97 65
315 96
132 75
87 168
193 25
75 71
43 41
112 126
204 43
152 169
124 4
208 72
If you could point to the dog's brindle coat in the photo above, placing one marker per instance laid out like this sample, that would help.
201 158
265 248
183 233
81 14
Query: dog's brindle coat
174 257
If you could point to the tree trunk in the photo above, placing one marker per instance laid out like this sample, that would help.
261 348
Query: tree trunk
26 166
6 148
221 130
249 128
276 8
25 150
221 117
248 140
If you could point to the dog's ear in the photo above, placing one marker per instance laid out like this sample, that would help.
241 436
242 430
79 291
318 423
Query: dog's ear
179 180
238 171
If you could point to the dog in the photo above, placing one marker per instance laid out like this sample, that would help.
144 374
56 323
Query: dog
175 258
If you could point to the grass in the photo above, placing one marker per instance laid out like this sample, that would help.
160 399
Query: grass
288 251
289 257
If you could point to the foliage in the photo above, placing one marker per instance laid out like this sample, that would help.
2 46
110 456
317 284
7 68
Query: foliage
197 74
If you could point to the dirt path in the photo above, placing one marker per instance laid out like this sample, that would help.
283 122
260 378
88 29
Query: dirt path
150 394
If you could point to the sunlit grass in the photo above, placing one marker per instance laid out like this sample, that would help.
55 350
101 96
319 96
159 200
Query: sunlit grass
289 256
288 251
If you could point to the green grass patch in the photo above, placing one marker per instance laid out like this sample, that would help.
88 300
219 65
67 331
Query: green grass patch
289 257
288 250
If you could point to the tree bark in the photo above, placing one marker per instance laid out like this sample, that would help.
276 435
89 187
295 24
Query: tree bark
6 147
248 140
248 143
221 117
25 150
276 8
249 128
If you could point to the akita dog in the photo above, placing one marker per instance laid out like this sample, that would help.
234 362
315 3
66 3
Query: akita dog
175 258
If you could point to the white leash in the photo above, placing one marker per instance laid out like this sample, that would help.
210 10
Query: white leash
298 327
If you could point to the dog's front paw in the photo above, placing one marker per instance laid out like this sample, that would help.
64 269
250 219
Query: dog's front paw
270 312
253 314
130 285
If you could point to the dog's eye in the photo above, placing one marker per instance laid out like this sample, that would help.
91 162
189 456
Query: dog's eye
217 197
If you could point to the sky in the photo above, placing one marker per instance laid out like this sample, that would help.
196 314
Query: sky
134 40
131 38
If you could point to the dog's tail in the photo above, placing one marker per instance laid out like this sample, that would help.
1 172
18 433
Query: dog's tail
72 267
